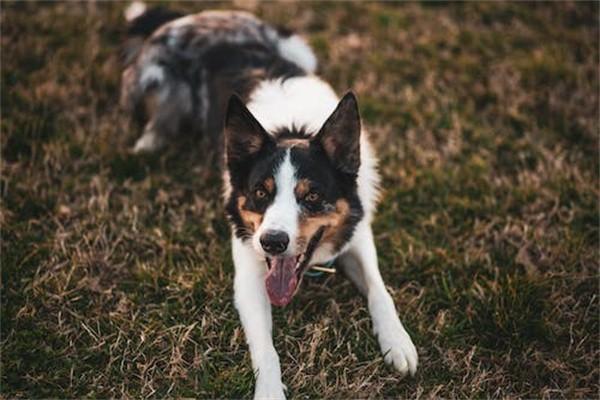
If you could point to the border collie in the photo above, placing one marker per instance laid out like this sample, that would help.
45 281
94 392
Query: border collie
300 179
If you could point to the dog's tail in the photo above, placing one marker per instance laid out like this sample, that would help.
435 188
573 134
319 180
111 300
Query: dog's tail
141 23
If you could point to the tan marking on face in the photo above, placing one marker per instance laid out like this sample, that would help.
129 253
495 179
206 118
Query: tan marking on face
251 219
269 184
302 188
332 221
293 143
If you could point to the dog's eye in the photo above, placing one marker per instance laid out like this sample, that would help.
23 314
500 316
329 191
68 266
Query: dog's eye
312 197
260 193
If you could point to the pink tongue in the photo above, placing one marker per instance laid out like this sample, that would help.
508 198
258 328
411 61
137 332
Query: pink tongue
281 280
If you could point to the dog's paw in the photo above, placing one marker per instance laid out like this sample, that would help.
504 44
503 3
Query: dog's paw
149 142
269 390
397 347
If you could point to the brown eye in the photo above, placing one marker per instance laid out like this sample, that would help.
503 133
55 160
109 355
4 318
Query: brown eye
260 193
312 197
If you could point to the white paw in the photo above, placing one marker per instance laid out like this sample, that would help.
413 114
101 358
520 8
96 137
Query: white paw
148 143
397 347
271 389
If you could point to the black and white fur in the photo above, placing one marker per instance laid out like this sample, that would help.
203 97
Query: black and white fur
300 178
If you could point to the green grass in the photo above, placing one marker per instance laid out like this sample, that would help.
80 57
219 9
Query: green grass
116 272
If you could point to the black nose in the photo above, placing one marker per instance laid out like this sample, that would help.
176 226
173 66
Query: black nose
274 242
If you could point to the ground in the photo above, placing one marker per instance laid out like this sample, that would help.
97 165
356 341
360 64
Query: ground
116 271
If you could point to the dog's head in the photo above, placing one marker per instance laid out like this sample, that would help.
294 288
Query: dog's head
293 194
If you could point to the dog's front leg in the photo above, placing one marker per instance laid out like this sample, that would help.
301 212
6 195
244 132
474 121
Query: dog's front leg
395 343
253 305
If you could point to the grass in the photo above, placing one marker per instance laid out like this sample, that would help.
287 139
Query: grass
116 273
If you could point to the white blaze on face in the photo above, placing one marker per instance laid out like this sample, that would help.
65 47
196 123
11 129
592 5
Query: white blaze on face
283 213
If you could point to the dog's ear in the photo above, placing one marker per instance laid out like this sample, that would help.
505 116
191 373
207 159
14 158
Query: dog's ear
340 135
244 135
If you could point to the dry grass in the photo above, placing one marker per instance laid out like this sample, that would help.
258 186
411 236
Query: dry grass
116 273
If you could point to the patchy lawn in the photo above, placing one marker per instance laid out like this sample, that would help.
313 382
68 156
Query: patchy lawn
116 273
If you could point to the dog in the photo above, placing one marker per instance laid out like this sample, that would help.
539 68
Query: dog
300 175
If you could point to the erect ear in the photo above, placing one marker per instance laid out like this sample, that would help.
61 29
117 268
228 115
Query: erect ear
340 135
244 136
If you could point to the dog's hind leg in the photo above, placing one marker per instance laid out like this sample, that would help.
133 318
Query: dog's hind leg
159 101
395 343
169 108
253 305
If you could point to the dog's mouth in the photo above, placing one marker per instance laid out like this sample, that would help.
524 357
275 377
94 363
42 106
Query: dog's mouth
283 278
285 273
